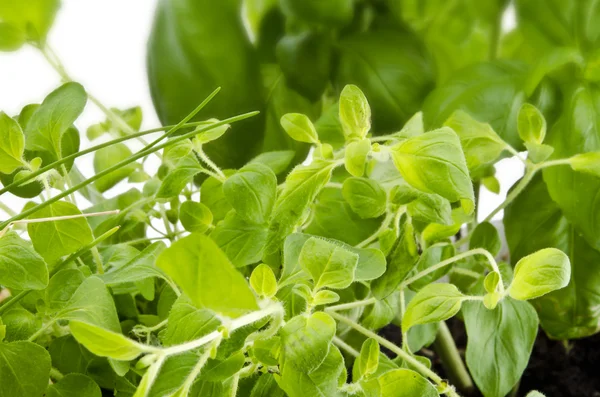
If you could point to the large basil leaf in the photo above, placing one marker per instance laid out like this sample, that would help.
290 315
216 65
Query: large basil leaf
490 92
195 47
577 131
391 69
442 26
25 21
24 369
505 337
20 266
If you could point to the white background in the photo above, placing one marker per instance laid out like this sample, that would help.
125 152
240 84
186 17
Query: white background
102 44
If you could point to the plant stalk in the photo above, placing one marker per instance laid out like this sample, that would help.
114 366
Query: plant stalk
445 347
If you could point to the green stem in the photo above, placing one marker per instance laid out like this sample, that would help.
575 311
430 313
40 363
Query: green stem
452 361
12 301
351 305
121 164
210 163
449 261
7 209
384 225
40 331
513 193
340 343
413 362
56 374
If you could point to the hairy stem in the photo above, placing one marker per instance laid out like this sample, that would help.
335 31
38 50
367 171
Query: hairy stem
340 343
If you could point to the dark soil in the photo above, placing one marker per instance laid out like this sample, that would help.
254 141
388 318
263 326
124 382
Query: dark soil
554 369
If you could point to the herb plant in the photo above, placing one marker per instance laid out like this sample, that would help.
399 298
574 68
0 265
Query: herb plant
224 273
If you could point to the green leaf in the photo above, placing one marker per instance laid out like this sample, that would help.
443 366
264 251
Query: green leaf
356 154
61 288
24 369
251 192
430 208
306 340
434 163
220 370
479 141
213 197
20 324
332 13
531 124
92 303
334 218
301 188
278 161
263 281
535 394
401 260
586 162
182 174
505 336
355 112
173 374
108 157
435 302
366 197
105 343
309 50
371 262
431 257
242 241
141 267
21 267
53 118
27 21
299 127
205 274
542 272
186 322
577 193
368 360
405 383
486 236
195 217
328 264
176 40
11 151
488 91
54 239
391 68
74 385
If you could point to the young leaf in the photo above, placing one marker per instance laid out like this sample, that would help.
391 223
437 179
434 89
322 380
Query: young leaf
108 157
324 297
61 288
301 188
531 124
182 174
300 128
205 274
53 117
507 334
434 163
306 340
21 267
92 304
486 236
251 192
263 281
24 369
542 272
356 154
430 208
355 112
368 361
195 217
13 144
54 239
186 322
405 383
401 260
366 197
242 241
328 264
479 141
140 267
105 343
435 302
74 385
586 162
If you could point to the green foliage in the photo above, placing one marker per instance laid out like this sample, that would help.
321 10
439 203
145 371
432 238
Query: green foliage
271 278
